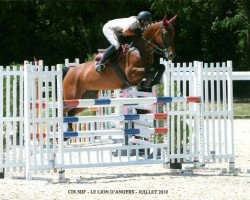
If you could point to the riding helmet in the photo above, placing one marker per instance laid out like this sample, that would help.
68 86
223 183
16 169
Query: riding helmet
145 15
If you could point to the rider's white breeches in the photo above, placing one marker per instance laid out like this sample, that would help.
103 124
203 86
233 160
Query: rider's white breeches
111 36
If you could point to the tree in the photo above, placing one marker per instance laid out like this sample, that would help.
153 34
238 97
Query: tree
17 30
211 30
53 30
246 6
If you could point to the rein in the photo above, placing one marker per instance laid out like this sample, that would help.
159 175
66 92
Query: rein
155 48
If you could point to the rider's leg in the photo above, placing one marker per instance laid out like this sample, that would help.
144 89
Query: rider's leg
107 54
111 36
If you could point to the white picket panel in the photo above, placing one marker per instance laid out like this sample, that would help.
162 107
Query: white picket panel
32 129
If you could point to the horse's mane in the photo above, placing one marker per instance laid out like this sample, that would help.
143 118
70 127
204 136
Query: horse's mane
154 23
151 25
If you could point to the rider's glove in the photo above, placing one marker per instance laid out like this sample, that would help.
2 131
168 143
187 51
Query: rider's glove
138 32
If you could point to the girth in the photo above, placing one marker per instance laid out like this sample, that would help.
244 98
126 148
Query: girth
119 72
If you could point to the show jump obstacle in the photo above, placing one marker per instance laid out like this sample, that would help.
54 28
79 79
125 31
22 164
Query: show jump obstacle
194 123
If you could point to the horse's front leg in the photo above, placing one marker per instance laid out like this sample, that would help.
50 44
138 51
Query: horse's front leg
157 78
136 74
153 75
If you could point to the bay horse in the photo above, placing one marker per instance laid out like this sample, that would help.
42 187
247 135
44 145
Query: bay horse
83 82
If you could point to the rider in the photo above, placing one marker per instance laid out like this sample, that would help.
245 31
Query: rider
121 27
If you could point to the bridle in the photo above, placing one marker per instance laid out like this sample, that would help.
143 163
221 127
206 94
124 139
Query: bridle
155 48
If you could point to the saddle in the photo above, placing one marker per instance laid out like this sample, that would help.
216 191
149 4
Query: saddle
113 61
152 75
117 56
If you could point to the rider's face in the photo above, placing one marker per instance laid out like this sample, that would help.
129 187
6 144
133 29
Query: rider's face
144 23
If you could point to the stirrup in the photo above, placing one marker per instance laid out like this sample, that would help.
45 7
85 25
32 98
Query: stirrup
99 67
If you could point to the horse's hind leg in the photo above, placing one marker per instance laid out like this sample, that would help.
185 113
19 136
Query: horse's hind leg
71 113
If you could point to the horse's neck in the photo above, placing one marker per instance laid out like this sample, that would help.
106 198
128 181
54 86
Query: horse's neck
150 33
145 52
147 43
148 40
140 45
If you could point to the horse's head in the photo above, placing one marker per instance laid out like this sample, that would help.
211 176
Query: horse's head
166 38
162 34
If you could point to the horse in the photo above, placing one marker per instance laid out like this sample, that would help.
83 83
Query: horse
83 82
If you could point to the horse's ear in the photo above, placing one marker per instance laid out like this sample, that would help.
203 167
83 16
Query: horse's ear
172 19
165 20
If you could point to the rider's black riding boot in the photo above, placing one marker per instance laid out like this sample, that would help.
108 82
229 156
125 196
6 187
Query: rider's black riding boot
107 54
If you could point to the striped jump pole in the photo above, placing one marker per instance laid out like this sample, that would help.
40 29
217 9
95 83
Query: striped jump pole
128 101
115 117
80 103
143 132
127 131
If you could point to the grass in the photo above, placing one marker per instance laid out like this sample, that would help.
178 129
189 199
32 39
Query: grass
242 109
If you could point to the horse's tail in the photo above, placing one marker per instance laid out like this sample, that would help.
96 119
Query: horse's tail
64 70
